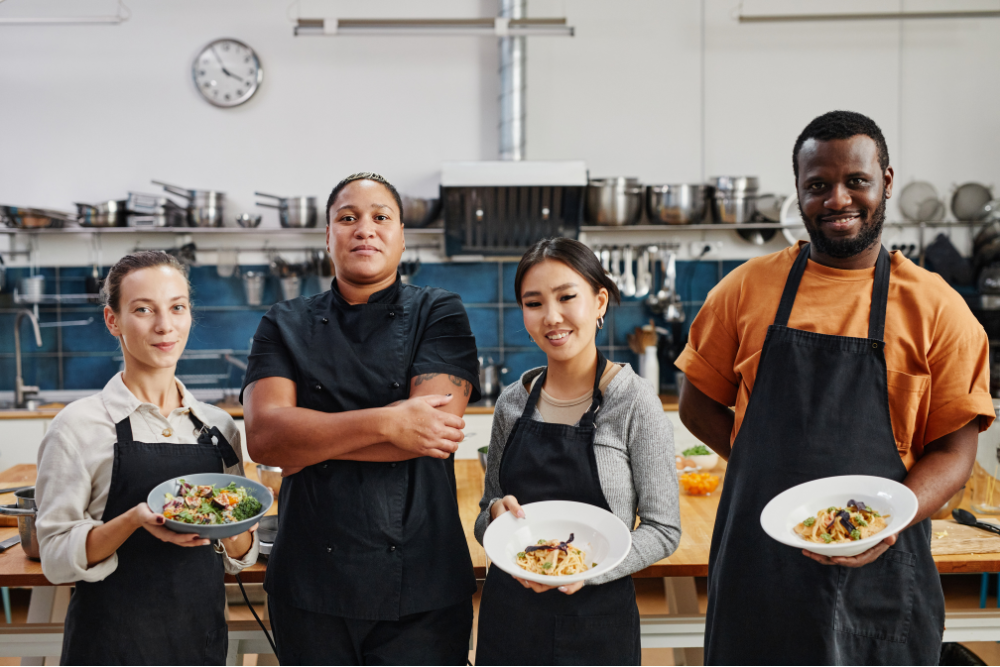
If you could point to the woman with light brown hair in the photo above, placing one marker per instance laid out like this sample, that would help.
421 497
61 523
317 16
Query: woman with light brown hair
144 594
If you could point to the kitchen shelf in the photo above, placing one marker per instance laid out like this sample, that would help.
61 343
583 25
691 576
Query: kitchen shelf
253 231
722 226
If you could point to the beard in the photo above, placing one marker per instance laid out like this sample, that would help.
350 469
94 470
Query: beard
842 248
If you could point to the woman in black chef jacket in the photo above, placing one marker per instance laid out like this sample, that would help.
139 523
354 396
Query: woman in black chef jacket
579 429
144 594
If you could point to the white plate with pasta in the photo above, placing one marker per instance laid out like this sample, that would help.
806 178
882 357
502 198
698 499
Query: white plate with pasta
574 540
839 516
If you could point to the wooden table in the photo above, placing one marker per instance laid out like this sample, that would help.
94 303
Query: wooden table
684 627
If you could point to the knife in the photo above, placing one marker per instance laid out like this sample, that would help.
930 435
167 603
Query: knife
7 544
969 519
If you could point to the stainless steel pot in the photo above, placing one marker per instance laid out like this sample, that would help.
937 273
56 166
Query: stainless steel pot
110 213
33 218
293 212
270 476
489 378
25 510
734 199
614 202
677 204
205 207
420 211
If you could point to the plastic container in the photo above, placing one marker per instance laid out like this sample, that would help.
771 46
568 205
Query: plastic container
985 480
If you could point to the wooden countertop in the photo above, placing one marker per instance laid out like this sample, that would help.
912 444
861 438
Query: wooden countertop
236 411
690 559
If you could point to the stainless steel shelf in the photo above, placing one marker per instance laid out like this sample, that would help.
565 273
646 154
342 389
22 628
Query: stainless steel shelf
601 229
256 231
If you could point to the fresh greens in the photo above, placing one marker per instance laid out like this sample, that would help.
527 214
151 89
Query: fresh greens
697 450
205 504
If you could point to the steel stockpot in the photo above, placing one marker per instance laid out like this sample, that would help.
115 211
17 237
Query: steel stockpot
734 198
614 202
26 512
108 213
205 207
293 211
677 204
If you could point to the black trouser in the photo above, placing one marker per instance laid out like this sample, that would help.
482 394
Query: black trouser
438 637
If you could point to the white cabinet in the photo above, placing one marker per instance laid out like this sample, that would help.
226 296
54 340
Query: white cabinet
19 440
477 434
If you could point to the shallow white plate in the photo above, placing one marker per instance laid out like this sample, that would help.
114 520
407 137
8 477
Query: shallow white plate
602 535
787 509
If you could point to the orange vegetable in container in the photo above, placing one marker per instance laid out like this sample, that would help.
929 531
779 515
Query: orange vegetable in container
699 483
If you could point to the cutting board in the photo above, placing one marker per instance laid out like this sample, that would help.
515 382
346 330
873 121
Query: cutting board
962 539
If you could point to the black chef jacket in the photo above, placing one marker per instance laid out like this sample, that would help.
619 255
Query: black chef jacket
372 541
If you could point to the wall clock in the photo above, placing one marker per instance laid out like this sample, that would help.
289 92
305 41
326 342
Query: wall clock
227 72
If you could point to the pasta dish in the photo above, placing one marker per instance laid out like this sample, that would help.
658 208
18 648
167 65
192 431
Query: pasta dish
554 558
839 524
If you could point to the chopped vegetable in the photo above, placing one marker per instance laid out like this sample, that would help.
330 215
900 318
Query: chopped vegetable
826 537
697 450
546 566
809 521
699 483
520 554
855 534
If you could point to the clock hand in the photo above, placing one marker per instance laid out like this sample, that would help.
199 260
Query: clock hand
224 70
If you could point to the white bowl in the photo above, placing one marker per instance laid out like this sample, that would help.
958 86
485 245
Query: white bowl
602 535
791 507
705 461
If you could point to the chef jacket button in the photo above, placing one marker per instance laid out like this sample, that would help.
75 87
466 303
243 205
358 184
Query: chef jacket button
392 547
392 314
325 465
392 465
319 387
395 385
325 320
329 549
167 433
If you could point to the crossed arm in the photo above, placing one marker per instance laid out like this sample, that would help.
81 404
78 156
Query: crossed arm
280 433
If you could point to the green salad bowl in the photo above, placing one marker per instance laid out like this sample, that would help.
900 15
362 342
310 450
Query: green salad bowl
217 531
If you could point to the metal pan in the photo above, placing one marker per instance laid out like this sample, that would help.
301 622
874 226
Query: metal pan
293 212
109 213
33 218
26 511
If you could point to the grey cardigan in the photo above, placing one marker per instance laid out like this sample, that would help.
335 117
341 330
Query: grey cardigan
634 447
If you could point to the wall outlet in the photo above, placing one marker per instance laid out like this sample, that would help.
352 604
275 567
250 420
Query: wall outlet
706 249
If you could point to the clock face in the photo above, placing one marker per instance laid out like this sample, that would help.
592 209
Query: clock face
227 72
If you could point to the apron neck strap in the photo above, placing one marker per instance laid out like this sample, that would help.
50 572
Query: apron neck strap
124 431
880 291
588 417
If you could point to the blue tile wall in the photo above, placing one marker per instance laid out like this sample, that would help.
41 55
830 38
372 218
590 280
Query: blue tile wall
88 355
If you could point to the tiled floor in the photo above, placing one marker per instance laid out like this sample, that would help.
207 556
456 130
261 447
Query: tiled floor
961 592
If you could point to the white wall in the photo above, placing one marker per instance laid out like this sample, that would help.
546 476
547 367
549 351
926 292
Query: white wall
89 113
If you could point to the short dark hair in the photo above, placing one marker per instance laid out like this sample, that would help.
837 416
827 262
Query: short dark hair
573 254
841 125
111 290
363 176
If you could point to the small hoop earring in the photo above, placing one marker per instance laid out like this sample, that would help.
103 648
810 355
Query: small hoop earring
600 322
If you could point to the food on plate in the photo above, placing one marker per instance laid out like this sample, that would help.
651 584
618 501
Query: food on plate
699 483
697 450
554 558
854 522
204 504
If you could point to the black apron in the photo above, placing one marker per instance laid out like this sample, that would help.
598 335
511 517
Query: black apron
597 625
164 604
819 408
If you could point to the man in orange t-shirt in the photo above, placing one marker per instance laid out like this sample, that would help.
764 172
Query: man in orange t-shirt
870 365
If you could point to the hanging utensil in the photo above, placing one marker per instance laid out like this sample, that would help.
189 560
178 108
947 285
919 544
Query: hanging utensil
644 276
628 287
616 260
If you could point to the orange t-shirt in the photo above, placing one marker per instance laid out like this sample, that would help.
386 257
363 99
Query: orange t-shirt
936 352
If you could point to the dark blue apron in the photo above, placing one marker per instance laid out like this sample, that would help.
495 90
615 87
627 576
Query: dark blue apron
819 408
164 604
597 625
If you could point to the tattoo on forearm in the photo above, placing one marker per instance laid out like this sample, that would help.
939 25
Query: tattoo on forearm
464 385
